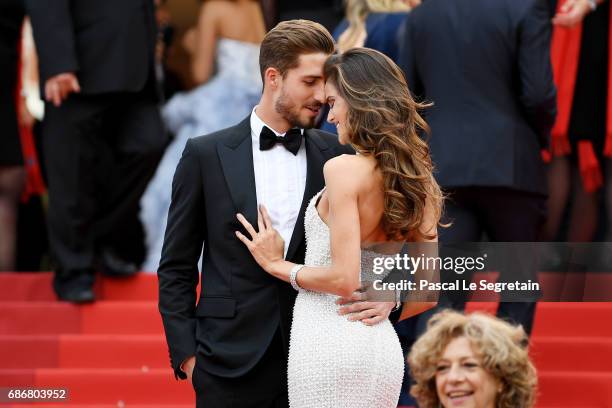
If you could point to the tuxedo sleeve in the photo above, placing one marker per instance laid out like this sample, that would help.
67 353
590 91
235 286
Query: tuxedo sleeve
53 30
178 269
537 90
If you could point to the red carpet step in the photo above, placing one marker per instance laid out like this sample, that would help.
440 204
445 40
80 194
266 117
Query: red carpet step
107 386
150 351
140 317
84 351
104 317
37 287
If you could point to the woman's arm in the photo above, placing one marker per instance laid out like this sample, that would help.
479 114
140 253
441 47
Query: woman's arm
342 277
203 53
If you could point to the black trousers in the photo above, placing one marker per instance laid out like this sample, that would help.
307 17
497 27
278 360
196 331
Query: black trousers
265 386
100 153
504 215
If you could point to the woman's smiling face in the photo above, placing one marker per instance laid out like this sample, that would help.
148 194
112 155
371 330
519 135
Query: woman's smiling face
462 381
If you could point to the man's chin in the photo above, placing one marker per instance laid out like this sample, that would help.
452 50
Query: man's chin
305 123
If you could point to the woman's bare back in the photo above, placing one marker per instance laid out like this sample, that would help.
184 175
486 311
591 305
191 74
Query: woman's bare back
370 199
240 20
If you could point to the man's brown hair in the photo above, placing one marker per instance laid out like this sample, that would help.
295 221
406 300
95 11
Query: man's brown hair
283 45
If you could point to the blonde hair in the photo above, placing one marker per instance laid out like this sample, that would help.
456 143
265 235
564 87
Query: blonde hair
501 347
384 122
356 13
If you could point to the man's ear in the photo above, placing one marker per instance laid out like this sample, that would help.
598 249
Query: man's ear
272 78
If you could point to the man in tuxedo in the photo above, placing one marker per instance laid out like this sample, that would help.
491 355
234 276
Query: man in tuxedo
102 132
234 344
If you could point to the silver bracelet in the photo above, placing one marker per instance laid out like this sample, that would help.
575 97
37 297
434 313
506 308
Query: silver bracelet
293 277
592 4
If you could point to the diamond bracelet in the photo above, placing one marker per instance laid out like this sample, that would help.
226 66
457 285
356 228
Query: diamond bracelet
293 277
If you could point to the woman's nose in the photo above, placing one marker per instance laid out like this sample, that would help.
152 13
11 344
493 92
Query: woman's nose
330 116
456 374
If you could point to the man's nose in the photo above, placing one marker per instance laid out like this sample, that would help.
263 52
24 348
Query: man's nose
319 94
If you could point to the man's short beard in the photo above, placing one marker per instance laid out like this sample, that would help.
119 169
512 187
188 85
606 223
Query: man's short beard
286 108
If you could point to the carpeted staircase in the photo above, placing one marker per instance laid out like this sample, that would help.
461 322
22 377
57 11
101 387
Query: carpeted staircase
113 353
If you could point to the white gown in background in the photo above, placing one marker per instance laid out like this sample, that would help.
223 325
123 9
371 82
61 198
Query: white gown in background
335 363
222 102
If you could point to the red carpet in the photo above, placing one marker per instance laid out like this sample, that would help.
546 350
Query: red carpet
113 353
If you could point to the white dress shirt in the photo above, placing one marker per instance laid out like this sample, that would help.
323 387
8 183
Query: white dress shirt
280 180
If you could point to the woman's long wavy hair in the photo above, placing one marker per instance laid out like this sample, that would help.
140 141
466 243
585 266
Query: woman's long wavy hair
356 12
383 122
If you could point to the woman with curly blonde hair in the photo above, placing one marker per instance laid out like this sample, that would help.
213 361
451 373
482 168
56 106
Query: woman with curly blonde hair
473 360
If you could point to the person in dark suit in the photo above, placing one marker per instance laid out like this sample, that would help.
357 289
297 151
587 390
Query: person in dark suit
552 7
487 71
486 68
12 173
102 132
326 12
234 344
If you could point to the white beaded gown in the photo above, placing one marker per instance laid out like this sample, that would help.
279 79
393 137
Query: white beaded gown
333 362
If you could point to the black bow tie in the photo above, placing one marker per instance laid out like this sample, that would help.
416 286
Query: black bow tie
292 139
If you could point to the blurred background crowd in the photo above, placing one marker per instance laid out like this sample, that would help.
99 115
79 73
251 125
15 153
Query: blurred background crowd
98 100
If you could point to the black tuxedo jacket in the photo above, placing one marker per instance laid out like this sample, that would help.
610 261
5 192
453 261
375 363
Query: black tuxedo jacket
241 307
486 67
108 43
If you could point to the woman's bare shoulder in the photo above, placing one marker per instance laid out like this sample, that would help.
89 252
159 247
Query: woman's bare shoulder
348 170
347 162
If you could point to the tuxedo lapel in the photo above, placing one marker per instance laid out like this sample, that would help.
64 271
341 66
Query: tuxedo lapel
315 159
236 157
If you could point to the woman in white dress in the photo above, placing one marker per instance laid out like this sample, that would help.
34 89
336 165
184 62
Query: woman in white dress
385 193
225 60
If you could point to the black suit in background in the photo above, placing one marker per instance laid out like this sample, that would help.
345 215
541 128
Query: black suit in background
486 67
239 331
552 4
326 12
11 19
103 144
